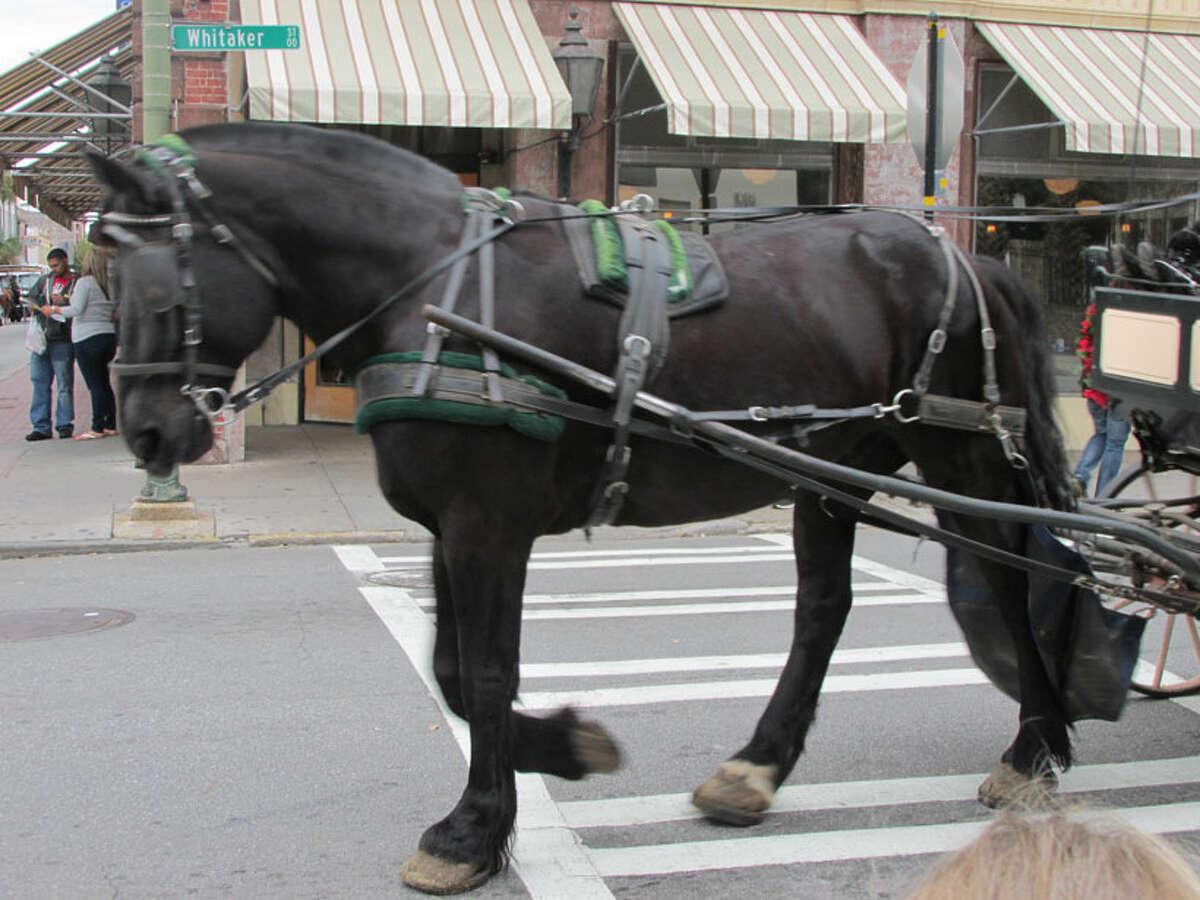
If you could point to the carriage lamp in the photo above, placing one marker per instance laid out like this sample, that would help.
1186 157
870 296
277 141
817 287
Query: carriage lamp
580 69
117 93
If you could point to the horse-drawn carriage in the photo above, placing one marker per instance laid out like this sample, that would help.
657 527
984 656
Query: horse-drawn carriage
507 397
1148 359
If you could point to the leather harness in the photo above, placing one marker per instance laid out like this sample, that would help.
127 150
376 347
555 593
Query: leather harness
642 338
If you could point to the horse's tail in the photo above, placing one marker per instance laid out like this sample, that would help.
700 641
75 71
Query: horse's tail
1043 444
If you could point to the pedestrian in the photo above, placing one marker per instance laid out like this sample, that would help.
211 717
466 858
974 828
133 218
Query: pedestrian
1061 855
1110 425
57 362
94 335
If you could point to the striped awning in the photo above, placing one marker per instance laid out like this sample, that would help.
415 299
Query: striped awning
749 73
1116 91
462 63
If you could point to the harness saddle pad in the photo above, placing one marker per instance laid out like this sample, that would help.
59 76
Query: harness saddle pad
709 286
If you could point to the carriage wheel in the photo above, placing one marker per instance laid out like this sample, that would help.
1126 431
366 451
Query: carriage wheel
1170 659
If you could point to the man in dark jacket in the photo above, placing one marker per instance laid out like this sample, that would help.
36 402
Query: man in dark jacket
57 362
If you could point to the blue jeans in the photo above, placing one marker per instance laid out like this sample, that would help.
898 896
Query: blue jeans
1106 446
56 364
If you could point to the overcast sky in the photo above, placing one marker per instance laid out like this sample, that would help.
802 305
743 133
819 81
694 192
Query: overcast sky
36 25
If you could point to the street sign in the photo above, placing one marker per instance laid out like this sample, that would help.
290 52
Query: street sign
950 100
235 37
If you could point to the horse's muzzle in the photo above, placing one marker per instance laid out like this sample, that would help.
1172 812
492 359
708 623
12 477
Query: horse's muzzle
163 428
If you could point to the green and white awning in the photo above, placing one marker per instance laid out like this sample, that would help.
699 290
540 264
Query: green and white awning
1116 91
750 73
460 63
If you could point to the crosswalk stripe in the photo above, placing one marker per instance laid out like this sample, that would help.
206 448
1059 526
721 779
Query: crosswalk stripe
755 687
841 845
646 810
746 549
778 590
698 609
658 665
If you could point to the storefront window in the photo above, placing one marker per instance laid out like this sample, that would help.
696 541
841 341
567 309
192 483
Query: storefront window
1030 168
682 172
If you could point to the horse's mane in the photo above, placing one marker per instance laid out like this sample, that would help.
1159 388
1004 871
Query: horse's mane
322 149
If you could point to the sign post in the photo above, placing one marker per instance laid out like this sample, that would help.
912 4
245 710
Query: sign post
935 106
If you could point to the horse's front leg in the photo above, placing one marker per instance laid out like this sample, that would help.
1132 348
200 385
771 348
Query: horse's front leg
484 573
744 785
561 744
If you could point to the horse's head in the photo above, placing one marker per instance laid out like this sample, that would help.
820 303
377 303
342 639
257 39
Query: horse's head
194 300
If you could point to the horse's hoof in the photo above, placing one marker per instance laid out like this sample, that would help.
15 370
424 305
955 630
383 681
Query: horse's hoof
1005 787
434 875
594 748
739 794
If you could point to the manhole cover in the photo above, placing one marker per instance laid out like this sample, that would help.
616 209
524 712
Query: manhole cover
33 624
406 579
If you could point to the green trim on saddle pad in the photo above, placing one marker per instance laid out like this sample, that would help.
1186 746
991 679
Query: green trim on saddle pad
680 285
541 426
610 252
610 249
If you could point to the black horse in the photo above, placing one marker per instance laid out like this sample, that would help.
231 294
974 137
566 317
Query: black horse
829 310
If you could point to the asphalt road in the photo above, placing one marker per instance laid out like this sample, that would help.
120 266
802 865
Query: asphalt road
263 725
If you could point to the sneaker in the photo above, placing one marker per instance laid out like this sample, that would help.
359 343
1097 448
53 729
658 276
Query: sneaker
1078 486
38 436
65 432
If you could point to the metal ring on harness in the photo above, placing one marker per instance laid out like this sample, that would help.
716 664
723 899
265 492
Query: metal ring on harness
637 346
218 415
897 407
639 203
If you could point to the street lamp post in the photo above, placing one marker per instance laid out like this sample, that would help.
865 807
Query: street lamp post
580 69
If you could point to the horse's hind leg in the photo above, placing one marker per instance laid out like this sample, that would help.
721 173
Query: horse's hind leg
560 744
744 785
1026 772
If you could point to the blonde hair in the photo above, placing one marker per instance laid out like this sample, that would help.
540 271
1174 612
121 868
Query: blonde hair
1062 856
95 263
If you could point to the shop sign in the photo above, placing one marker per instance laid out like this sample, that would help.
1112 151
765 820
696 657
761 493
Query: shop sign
219 38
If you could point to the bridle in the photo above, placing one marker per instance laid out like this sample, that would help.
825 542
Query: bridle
173 161
175 253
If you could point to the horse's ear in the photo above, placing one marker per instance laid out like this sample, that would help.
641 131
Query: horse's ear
120 178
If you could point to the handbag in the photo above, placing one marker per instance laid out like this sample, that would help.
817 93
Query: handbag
35 338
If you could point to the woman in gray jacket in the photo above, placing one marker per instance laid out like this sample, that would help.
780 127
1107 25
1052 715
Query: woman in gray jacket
94 335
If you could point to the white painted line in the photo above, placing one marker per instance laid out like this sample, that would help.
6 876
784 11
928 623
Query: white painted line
629 562
698 609
613 667
871 567
625 811
547 856
779 590
835 846
756 687
359 558
615 552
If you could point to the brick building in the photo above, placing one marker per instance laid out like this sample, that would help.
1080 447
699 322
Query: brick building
711 104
